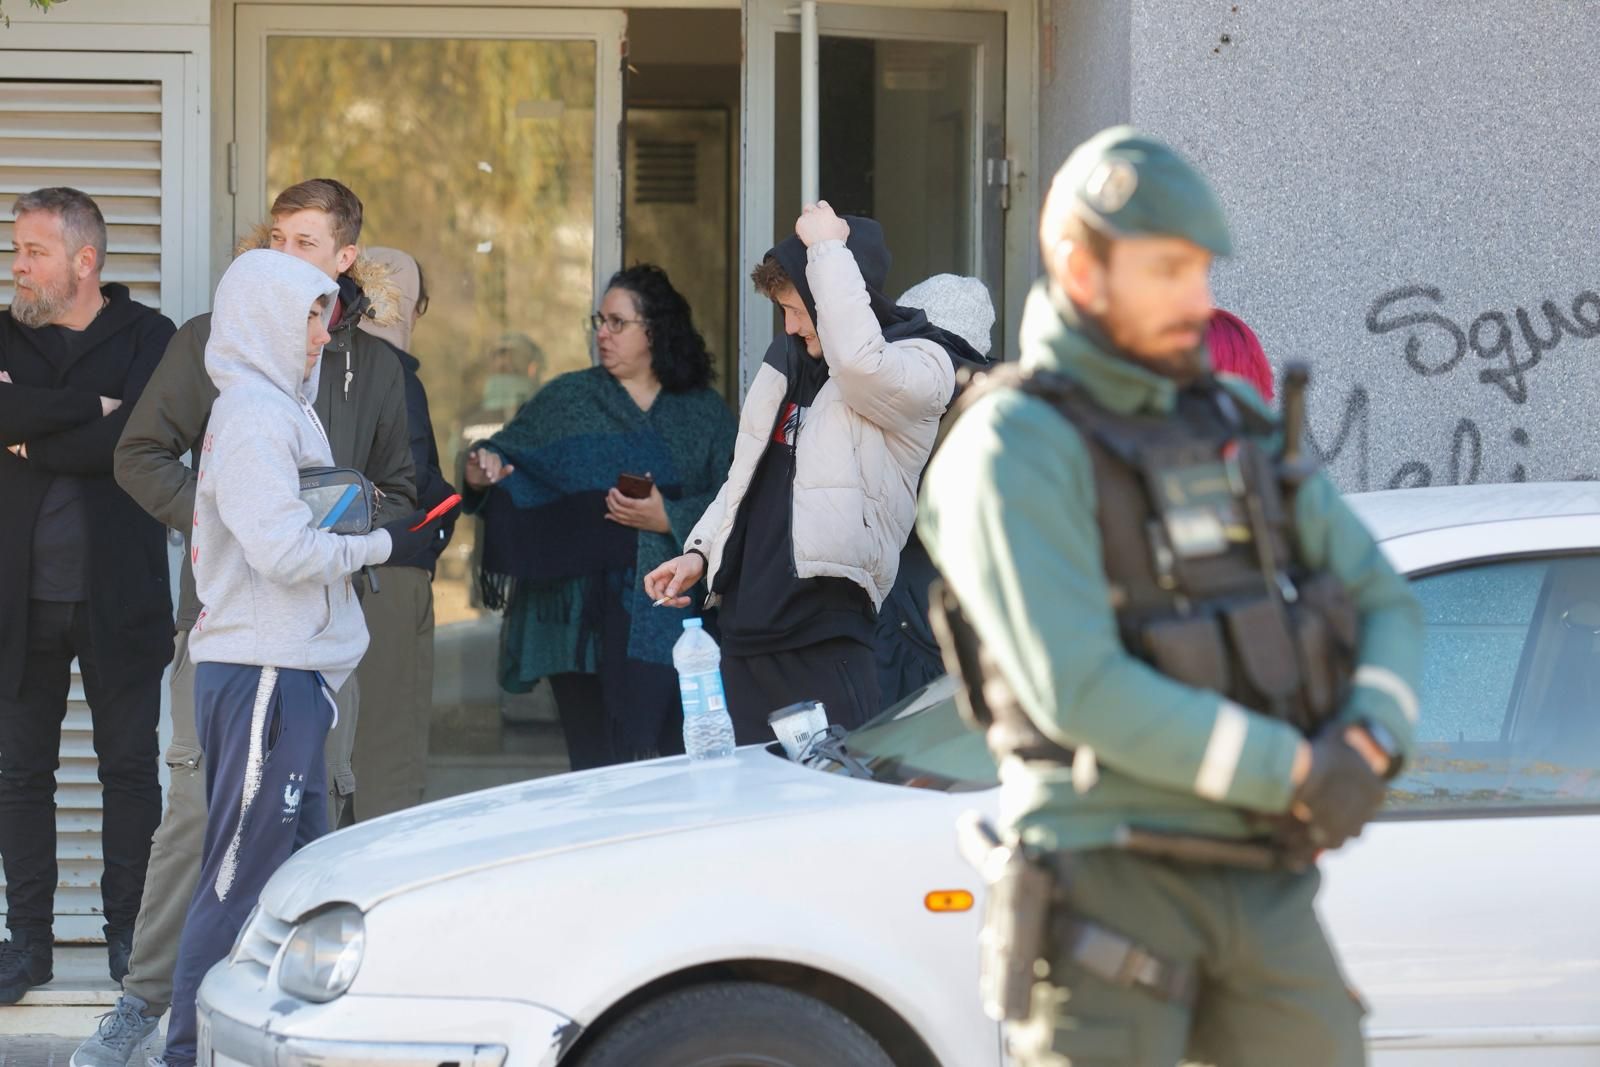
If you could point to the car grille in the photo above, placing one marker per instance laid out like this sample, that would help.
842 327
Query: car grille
259 947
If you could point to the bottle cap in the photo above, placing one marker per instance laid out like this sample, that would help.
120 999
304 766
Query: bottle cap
692 624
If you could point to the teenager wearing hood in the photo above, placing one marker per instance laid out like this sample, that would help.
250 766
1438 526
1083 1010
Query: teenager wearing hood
360 399
280 630
396 674
802 543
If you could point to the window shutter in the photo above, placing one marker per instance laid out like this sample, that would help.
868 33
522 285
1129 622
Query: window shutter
103 137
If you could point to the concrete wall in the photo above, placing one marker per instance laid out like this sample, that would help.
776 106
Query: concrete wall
1085 77
1411 191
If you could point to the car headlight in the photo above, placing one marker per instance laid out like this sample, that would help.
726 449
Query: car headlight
323 954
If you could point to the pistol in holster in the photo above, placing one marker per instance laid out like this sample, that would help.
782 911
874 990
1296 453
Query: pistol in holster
1016 918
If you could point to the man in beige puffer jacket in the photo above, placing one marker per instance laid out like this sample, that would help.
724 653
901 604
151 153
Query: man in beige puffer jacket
803 541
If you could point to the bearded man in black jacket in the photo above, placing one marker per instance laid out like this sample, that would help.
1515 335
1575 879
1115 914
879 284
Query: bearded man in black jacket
83 572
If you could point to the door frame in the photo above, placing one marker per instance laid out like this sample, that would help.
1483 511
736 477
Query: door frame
605 27
764 19
1027 40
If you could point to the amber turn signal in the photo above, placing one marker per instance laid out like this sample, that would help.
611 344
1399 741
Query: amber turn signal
948 900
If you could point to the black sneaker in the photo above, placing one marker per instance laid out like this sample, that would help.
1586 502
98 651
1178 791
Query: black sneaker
24 963
119 946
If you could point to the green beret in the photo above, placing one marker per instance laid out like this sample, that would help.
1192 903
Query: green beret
1132 185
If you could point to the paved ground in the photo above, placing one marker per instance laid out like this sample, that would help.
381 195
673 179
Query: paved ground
35 1051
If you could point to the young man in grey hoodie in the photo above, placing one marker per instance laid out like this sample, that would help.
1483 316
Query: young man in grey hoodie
362 402
281 628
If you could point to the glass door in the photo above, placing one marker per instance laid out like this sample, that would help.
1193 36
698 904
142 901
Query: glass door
911 117
484 143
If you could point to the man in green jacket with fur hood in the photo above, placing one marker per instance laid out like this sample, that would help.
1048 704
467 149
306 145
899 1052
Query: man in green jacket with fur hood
1198 667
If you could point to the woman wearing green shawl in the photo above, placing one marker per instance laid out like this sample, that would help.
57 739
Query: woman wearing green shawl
564 549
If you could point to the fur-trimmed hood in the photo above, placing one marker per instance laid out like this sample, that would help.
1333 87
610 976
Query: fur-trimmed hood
375 279
406 278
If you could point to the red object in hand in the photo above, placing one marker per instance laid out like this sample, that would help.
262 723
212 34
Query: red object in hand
445 506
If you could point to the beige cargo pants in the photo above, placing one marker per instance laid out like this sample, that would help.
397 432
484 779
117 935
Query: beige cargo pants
391 750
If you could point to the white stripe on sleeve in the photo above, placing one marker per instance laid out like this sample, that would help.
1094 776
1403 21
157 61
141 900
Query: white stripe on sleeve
1392 686
1221 761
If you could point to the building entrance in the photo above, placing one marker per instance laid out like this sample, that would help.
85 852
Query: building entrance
524 154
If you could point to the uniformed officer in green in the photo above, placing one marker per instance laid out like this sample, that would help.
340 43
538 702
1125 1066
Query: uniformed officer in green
1199 668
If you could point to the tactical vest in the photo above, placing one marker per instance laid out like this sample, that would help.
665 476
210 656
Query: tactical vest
1200 554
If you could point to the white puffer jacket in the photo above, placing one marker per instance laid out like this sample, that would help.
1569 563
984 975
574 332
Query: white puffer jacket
865 441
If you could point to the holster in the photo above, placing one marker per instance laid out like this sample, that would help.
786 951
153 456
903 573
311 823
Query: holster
1026 923
1016 920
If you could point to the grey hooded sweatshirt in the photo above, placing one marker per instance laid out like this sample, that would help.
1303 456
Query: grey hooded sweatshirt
275 591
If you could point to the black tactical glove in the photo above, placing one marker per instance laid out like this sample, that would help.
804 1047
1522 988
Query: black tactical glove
1341 793
409 543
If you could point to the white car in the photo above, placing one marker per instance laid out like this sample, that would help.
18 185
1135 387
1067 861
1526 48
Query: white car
759 912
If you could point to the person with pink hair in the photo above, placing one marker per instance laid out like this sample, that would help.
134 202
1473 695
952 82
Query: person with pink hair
1236 350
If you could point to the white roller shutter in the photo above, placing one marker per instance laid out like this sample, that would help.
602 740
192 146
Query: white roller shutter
101 137
117 138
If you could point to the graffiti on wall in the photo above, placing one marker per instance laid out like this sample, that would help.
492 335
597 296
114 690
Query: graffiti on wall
1506 348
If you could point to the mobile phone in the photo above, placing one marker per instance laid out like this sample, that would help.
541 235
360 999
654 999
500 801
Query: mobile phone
636 486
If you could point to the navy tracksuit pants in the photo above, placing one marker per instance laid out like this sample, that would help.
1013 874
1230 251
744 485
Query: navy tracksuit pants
262 731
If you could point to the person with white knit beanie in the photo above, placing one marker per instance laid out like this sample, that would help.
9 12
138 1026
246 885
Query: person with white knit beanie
903 643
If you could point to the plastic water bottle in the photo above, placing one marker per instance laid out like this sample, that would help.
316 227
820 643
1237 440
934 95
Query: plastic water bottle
707 730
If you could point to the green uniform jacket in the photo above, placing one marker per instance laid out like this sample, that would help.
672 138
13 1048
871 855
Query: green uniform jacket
1008 514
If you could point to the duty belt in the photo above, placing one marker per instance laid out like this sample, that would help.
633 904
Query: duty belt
1121 961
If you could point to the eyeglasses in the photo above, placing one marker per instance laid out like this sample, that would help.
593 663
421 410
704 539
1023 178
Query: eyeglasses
611 323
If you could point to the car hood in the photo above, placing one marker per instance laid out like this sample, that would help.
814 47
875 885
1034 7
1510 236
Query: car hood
371 861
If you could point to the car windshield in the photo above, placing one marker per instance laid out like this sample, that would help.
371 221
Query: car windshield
922 742
1510 680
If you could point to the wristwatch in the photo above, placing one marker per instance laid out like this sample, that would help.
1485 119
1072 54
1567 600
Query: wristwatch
1387 744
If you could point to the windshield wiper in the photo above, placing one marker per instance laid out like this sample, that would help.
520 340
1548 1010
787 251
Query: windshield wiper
830 746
